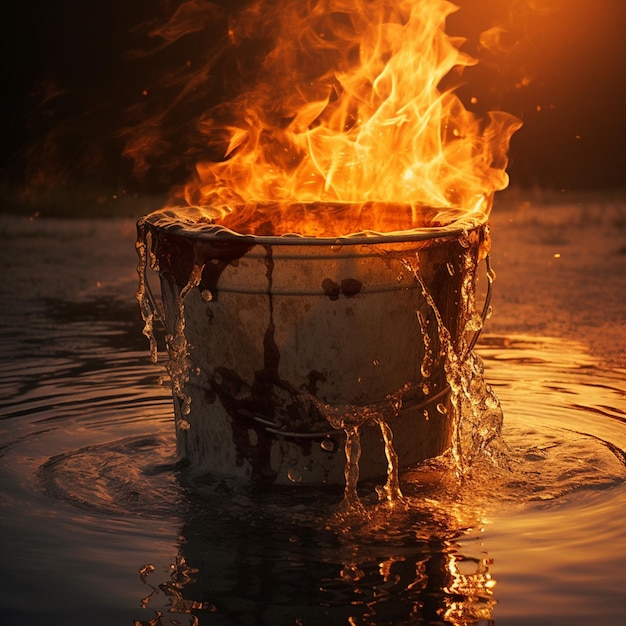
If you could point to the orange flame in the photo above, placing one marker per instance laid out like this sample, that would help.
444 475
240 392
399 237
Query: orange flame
347 107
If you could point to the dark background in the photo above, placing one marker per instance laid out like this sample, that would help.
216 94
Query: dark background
70 89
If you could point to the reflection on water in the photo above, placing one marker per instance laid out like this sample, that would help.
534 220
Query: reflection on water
287 568
100 525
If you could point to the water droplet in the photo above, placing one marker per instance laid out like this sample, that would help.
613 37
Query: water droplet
359 379
294 475
146 569
451 270
491 275
489 313
351 573
206 295
474 323
492 402
183 424
328 445
426 415
442 408
376 362
425 389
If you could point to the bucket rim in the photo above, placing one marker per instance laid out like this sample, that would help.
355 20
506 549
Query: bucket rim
213 232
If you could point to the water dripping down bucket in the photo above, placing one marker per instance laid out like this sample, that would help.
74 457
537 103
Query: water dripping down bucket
270 336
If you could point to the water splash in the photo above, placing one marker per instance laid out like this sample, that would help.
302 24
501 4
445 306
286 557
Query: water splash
477 414
391 491
146 303
179 365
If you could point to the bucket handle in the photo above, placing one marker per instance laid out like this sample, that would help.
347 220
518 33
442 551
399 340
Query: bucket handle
274 427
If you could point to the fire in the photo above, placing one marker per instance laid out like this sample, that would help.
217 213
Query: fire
343 124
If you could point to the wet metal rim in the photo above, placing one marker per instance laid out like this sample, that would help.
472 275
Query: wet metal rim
215 232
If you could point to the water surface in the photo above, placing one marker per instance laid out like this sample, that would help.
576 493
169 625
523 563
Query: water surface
100 525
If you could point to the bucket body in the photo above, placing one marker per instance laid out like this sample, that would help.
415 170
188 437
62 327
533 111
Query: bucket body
281 332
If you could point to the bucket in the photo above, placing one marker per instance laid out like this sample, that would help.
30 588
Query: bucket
282 331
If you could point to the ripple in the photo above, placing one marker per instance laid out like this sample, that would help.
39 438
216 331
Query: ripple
563 434
132 476
563 427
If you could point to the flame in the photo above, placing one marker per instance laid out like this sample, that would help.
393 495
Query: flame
346 107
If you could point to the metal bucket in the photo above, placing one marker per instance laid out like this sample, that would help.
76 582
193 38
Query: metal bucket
282 330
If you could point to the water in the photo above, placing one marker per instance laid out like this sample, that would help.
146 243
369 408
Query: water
99 524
